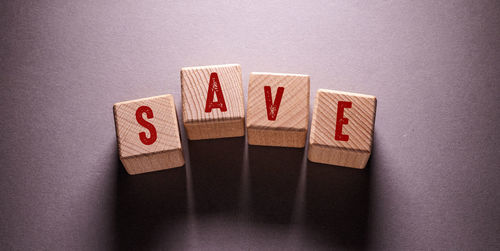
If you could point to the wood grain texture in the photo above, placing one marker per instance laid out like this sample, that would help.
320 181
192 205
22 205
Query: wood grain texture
291 124
165 152
323 147
215 124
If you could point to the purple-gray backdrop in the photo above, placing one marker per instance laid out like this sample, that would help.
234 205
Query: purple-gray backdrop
432 182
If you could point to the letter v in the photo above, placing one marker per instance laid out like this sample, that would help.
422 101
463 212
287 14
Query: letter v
272 109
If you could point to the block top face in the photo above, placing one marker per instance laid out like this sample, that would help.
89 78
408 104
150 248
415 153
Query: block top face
360 120
195 82
293 110
164 120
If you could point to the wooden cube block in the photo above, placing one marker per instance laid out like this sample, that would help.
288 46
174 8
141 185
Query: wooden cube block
278 109
212 101
342 128
148 134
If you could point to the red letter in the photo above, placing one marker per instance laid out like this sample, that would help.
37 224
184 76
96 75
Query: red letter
341 120
272 109
214 86
147 125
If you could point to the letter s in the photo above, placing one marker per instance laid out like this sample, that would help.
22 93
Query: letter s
152 130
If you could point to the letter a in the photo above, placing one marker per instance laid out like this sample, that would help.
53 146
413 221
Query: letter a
214 86
272 109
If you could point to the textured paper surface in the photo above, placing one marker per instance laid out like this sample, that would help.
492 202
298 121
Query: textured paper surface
432 182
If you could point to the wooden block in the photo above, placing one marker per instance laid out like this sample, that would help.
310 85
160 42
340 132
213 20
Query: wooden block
342 128
148 134
212 101
278 109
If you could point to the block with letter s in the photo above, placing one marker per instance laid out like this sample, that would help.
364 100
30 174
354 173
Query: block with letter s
148 135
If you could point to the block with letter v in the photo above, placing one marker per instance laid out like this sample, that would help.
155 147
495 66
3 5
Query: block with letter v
278 109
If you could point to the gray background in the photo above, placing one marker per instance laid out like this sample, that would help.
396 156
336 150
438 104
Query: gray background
432 181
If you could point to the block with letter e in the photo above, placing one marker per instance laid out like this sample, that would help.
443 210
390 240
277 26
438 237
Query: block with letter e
148 134
212 101
342 128
278 109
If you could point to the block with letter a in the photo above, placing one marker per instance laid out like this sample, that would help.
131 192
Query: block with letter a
278 109
342 128
148 134
212 101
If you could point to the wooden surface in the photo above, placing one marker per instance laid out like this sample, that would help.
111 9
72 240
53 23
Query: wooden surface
216 123
165 152
323 147
289 129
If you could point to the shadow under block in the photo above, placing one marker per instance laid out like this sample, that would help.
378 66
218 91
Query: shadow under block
212 101
148 134
278 109
342 128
